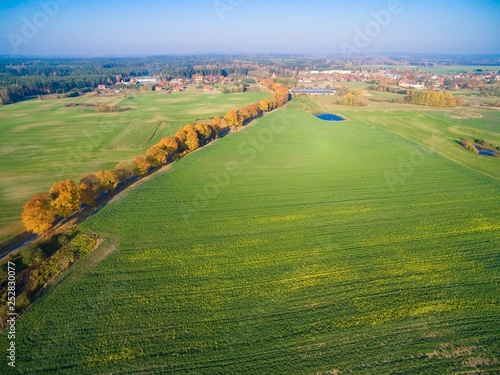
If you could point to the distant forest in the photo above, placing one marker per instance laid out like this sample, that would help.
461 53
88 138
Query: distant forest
21 78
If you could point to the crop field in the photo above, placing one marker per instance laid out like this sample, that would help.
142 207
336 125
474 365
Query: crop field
42 142
295 246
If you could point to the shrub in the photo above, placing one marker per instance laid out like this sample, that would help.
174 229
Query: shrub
82 244
469 145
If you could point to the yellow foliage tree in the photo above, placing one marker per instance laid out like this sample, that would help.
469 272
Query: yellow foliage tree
233 119
65 197
264 106
204 132
156 156
108 179
38 214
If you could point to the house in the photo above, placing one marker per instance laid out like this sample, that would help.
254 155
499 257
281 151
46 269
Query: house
101 87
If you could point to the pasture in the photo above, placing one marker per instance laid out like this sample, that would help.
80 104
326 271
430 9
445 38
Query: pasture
287 248
43 141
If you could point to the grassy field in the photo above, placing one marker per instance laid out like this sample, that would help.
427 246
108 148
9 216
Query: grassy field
439 130
295 246
42 142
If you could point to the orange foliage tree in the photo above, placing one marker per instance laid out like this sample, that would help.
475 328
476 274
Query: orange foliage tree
217 123
141 165
65 197
169 145
156 156
188 138
38 214
89 188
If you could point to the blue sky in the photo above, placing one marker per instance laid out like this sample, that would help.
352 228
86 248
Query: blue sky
126 27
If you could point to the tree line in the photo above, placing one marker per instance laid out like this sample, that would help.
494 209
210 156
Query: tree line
242 116
67 197
432 98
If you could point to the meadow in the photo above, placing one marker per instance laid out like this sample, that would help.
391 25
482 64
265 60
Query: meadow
288 248
44 141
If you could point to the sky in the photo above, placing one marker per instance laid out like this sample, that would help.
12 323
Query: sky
136 28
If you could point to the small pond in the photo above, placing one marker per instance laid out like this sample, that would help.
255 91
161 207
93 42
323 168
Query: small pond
330 117
487 152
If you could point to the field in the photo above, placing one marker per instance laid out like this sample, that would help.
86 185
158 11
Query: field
42 142
295 246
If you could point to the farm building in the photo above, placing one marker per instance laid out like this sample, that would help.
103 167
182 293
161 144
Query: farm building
313 91
146 80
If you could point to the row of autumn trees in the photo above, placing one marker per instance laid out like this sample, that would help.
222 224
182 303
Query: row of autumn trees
66 197
239 117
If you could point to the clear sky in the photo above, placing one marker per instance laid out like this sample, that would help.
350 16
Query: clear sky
148 27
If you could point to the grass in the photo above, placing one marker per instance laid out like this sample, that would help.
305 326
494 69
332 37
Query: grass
286 249
42 142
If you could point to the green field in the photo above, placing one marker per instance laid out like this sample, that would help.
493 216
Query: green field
42 142
295 246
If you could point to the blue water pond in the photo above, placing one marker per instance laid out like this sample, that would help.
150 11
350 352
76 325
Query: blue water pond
487 152
330 117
